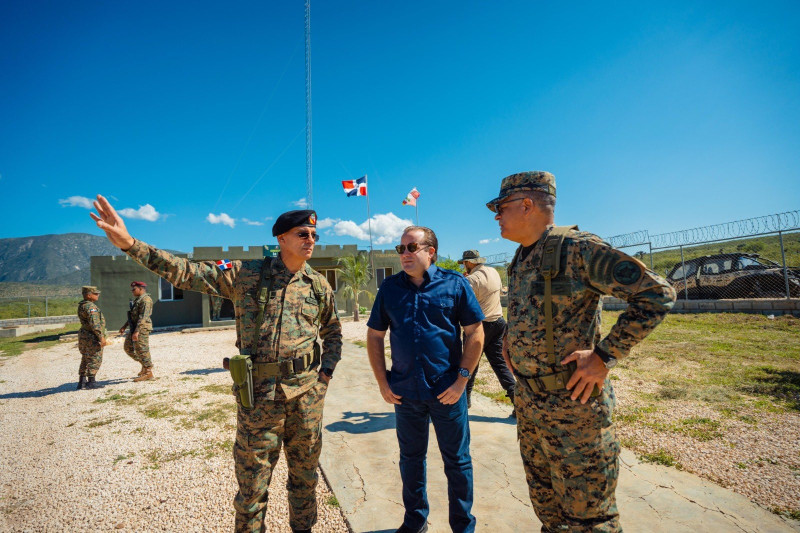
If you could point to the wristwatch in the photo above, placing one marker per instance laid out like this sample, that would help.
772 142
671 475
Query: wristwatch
608 360
327 371
464 373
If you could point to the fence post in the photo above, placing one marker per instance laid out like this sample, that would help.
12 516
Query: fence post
685 285
29 310
785 272
45 307
650 246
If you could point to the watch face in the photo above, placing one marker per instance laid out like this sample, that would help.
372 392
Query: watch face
611 363
464 372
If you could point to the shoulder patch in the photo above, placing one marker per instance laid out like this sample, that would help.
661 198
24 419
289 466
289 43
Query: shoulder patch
627 272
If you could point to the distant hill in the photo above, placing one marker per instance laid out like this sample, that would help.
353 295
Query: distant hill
51 259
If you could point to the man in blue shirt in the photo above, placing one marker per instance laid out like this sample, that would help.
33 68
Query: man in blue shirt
425 308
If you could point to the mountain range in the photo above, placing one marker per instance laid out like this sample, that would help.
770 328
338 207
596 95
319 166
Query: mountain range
51 259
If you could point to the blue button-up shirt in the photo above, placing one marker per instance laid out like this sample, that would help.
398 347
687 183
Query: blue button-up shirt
425 329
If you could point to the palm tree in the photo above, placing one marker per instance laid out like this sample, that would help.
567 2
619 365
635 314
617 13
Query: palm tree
354 275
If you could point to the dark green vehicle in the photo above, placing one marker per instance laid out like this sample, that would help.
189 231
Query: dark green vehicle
736 275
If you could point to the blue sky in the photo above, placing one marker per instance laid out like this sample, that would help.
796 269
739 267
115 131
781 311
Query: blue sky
657 116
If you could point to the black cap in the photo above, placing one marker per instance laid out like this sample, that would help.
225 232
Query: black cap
293 219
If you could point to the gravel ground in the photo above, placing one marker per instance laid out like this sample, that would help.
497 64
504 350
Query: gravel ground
151 456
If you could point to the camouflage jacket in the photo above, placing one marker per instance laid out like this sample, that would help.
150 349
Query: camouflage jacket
589 269
141 311
292 320
92 319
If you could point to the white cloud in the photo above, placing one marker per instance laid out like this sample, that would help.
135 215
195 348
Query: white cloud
145 212
327 222
386 228
76 201
302 203
268 218
487 241
222 218
252 222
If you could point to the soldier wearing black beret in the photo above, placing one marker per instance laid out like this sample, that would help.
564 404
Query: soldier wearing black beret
282 305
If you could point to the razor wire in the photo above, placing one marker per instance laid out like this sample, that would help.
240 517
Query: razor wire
748 227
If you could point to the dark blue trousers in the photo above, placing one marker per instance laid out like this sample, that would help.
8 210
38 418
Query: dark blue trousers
452 432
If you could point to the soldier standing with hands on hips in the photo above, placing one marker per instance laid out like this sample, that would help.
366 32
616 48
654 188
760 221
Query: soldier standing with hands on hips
91 337
137 341
281 306
564 399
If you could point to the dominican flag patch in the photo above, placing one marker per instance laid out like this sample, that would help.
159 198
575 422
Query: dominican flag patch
355 187
224 264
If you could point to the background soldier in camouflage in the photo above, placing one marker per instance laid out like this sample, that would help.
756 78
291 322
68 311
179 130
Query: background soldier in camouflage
567 438
91 337
216 306
288 406
137 341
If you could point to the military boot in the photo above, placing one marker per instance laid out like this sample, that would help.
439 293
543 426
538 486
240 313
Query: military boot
81 381
141 372
148 374
91 384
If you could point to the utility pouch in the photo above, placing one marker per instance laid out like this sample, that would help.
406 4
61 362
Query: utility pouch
241 367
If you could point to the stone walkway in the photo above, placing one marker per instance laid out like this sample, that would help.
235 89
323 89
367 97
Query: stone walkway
360 455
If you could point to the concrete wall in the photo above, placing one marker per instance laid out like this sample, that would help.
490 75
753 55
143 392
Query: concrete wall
65 319
756 305
113 276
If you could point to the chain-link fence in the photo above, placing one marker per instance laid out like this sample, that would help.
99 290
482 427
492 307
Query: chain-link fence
752 258
37 306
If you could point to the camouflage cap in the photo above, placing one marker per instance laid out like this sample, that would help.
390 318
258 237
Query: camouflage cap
90 289
536 180
472 256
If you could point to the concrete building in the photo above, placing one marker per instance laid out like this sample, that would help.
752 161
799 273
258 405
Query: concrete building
174 307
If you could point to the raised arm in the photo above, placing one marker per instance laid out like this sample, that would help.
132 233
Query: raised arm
200 276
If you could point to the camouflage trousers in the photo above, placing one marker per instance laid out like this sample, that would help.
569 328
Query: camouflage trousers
296 423
91 353
139 351
570 453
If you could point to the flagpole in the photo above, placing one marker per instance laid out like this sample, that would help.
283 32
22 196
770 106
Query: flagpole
369 222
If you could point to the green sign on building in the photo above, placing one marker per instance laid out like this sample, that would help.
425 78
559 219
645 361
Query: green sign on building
271 251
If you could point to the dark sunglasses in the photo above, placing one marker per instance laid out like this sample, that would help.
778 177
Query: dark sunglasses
306 234
499 207
413 247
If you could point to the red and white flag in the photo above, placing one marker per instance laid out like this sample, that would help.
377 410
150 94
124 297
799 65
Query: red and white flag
355 187
411 199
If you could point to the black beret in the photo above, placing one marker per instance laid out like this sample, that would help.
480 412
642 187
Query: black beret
293 219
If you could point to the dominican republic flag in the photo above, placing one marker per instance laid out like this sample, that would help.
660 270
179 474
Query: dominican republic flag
224 264
355 187
411 199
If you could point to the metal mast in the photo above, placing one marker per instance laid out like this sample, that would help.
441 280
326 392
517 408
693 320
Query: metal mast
309 181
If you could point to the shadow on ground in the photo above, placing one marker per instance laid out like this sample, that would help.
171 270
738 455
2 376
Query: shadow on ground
363 422
66 387
202 371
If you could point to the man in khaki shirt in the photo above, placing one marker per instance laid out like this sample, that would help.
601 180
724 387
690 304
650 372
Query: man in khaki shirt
485 282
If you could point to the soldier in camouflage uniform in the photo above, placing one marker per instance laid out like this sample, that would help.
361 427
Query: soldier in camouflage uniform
216 306
137 341
564 400
289 383
91 337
